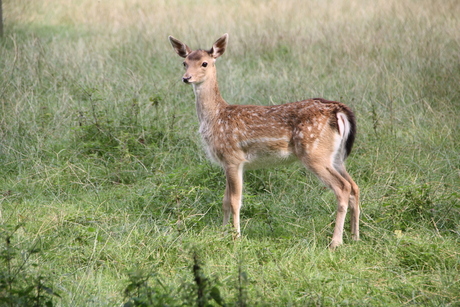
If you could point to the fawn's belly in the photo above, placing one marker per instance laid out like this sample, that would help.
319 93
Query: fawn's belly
267 152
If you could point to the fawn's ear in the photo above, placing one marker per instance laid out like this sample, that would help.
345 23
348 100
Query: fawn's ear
219 46
181 49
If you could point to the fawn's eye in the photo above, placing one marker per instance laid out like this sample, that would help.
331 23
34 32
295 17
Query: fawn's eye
204 64
185 65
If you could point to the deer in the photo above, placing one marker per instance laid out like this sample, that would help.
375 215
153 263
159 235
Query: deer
317 132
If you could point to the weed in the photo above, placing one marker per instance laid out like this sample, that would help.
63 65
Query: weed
19 284
202 292
140 292
242 298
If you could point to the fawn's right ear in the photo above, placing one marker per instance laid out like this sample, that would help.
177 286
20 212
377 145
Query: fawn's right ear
181 49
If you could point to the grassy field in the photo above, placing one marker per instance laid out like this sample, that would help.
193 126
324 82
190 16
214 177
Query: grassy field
107 198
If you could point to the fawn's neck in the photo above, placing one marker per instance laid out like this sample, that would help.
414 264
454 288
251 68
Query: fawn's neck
208 99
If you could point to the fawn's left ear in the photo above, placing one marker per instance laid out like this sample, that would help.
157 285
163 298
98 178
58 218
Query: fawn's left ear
219 46
181 49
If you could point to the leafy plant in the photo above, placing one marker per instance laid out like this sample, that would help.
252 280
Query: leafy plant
141 292
146 289
19 286
206 289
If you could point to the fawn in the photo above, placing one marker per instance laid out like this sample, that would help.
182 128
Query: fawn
318 132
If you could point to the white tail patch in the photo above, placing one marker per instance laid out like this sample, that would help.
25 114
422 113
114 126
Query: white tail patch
344 125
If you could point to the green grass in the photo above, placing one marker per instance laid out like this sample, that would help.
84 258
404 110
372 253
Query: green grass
107 197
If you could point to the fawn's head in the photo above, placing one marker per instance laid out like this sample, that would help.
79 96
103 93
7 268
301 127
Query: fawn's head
199 64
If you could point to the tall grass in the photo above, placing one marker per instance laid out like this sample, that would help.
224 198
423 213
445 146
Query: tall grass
103 177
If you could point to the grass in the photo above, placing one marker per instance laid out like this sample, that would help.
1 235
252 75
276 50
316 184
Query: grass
107 197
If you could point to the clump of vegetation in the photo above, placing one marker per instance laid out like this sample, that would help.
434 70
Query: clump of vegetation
140 292
146 289
21 282
410 207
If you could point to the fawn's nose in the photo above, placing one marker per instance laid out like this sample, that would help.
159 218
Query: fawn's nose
186 79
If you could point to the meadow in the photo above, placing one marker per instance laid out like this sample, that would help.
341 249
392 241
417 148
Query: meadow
107 197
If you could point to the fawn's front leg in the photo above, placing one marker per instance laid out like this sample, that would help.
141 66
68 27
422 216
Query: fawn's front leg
233 195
